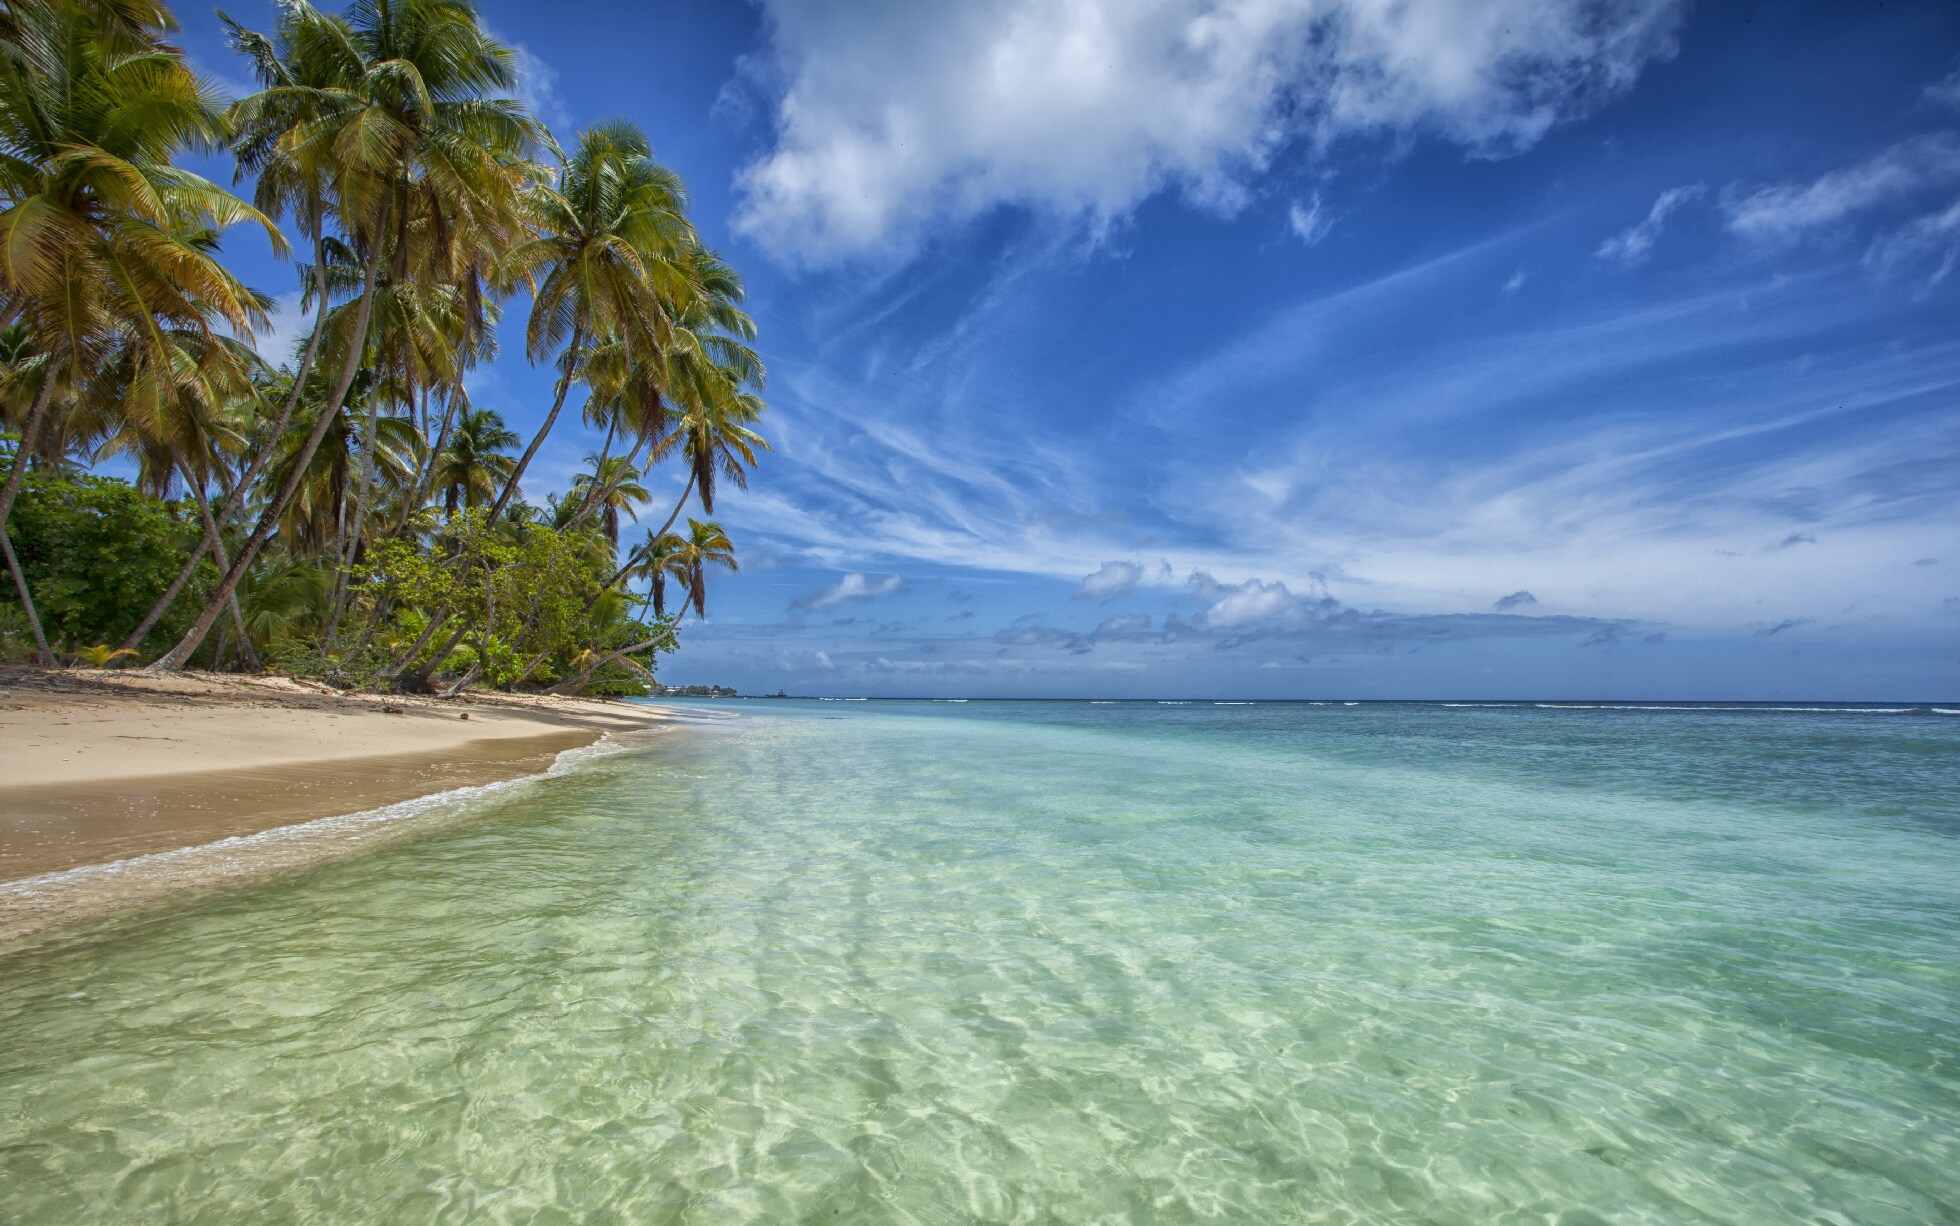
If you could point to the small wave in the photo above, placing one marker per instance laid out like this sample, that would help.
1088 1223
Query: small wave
1656 706
1482 704
1173 702
1350 704
1102 702
1945 711
1231 704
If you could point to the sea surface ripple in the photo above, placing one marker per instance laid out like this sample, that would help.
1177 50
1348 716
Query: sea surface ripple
988 962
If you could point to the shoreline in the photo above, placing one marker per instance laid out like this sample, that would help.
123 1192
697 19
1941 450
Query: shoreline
100 771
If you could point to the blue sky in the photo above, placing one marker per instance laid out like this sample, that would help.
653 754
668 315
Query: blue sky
1537 348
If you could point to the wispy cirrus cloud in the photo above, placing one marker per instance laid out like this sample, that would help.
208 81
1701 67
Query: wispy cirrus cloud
850 589
1634 244
1791 212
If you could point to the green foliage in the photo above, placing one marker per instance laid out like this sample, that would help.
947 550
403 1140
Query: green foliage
345 491
97 553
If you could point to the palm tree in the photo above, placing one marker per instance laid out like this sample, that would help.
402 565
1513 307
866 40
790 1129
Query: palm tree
413 155
706 545
714 439
610 490
475 465
601 263
655 561
103 243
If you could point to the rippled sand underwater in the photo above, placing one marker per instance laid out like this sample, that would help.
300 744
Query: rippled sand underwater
882 962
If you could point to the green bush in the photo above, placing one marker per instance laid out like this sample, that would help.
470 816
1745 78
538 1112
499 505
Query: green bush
97 553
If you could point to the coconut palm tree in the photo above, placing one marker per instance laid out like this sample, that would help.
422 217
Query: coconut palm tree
714 439
475 464
409 142
658 559
103 243
602 263
610 490
705 545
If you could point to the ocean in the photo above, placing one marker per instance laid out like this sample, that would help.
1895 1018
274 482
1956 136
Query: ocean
935 962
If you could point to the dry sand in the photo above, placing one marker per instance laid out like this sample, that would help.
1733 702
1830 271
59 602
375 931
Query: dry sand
101 766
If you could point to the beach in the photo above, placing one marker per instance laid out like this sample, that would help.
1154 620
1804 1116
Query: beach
98 767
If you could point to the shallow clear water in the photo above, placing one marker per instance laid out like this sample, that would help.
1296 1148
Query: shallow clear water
879 962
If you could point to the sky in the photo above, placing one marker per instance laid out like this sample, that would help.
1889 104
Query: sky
1305 348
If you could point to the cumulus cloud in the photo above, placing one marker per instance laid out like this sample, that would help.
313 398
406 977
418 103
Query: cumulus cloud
851 587
1792 211
892 115
1635 243
1309 222
1112 580
1515 600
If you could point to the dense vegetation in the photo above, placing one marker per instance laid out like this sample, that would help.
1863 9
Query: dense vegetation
344 510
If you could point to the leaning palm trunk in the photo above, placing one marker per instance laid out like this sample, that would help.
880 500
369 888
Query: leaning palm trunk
685 493
269 518
580 680
228 509
217 546
425 478
29 435
356 524
537 440
45 657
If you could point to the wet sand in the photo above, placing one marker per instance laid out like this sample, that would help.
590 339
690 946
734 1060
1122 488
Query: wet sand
167 774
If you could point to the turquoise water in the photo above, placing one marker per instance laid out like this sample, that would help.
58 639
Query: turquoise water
884 962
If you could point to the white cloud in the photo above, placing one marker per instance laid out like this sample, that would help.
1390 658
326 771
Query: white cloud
537 89
1256 603
1933 239
851 587
1945 91
278 340
1633 244
892 115
1515 283
1113 580
1792 211
1309 222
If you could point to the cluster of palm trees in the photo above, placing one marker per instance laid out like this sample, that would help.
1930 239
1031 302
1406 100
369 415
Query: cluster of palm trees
420 200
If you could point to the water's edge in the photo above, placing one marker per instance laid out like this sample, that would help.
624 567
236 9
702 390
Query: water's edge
49 902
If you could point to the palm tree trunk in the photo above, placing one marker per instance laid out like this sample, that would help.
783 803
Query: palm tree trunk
228 509
579 682
30 434
174 659
677 508
357 524
42 654
435 623
246 653
426 477
537 440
